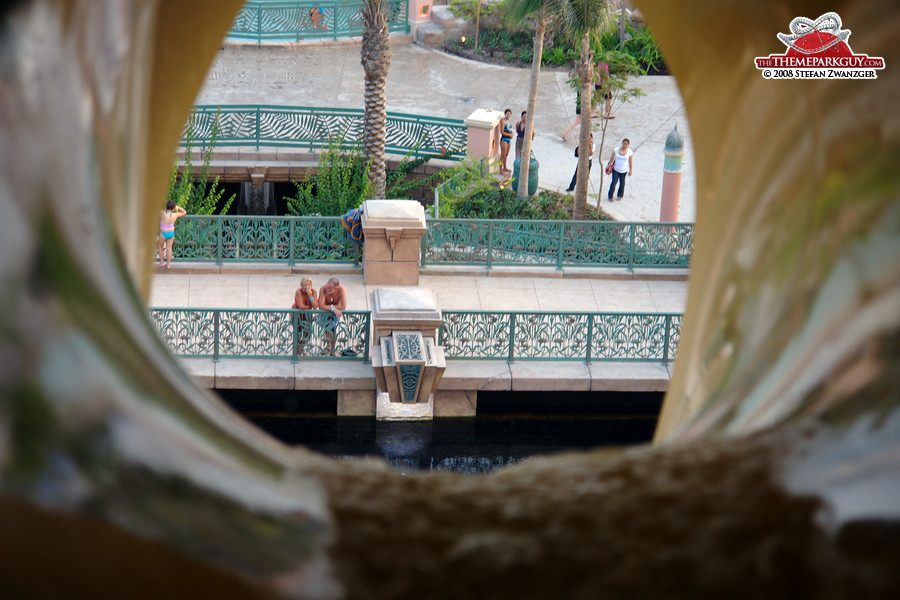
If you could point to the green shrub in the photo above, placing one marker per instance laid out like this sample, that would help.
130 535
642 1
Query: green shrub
341 182
197 195
467 193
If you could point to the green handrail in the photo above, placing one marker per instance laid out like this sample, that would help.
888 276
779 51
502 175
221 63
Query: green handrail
223 333
263 239
294 21
311 127
587 337
486 242
220 333
512 242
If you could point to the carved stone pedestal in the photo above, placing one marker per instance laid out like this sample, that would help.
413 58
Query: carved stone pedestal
393 231
408 362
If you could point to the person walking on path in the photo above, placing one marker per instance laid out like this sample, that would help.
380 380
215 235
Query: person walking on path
520 135
166 238
506 133
590 159
603 87
621 163
577 119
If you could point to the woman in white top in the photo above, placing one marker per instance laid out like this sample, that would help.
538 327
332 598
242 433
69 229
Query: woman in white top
621 162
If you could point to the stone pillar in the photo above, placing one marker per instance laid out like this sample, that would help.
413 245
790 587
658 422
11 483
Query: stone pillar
419 12
393 231
672 167
408 362
483 137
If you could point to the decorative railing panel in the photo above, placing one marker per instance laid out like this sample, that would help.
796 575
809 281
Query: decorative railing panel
491 242
645 337
312 127
263 239
187 333
446 241
293 21
239 333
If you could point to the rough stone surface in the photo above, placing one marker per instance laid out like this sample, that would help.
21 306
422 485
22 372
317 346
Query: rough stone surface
403 411
455 403
356 403
248 374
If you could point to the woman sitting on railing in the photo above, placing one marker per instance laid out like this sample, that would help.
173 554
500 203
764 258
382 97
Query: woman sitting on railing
304 299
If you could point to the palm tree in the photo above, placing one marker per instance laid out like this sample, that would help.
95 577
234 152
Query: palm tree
583 21
544 12
376 60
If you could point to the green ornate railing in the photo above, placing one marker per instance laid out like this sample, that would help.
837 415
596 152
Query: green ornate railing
491 242
293 21
315 127
278 334
500 335
511 336
222 239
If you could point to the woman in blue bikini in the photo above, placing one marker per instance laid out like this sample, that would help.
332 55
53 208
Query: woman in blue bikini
506 135
166 236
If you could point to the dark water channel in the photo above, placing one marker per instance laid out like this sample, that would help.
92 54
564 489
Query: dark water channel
509 428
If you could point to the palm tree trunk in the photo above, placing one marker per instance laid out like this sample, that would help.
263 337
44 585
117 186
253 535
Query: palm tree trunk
477 23
376 59
525 162
586 74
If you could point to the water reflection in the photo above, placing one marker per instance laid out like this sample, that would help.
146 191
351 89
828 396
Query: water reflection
496 438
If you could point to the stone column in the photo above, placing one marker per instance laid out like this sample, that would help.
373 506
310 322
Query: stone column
483 137
408 362
393 231
672 167
419 14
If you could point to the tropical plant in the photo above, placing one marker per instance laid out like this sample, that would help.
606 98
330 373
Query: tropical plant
340 182
584 20
643 48
461 181
544 13
375 55
619 67
197 195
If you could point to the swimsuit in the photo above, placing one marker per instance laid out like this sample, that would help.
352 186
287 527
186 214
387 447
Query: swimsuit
167 230
506 135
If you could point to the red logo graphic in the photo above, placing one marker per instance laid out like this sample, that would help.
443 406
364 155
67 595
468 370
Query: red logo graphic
818 50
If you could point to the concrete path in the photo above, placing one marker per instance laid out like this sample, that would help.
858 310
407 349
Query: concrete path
454 292
430 82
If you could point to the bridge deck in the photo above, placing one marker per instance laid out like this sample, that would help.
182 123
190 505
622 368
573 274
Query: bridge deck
199 285
459 288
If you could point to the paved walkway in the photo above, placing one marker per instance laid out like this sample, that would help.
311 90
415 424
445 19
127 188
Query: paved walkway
454 292
430 82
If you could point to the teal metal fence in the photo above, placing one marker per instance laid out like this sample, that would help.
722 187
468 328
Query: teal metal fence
488 243
500 335
316 127
221 239
589 337
293 21
278 334
491 242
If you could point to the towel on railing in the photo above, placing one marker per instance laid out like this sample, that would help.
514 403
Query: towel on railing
352 223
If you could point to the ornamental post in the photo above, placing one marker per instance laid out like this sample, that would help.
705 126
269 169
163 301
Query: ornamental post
672 168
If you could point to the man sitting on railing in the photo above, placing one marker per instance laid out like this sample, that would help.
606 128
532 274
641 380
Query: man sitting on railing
333 298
